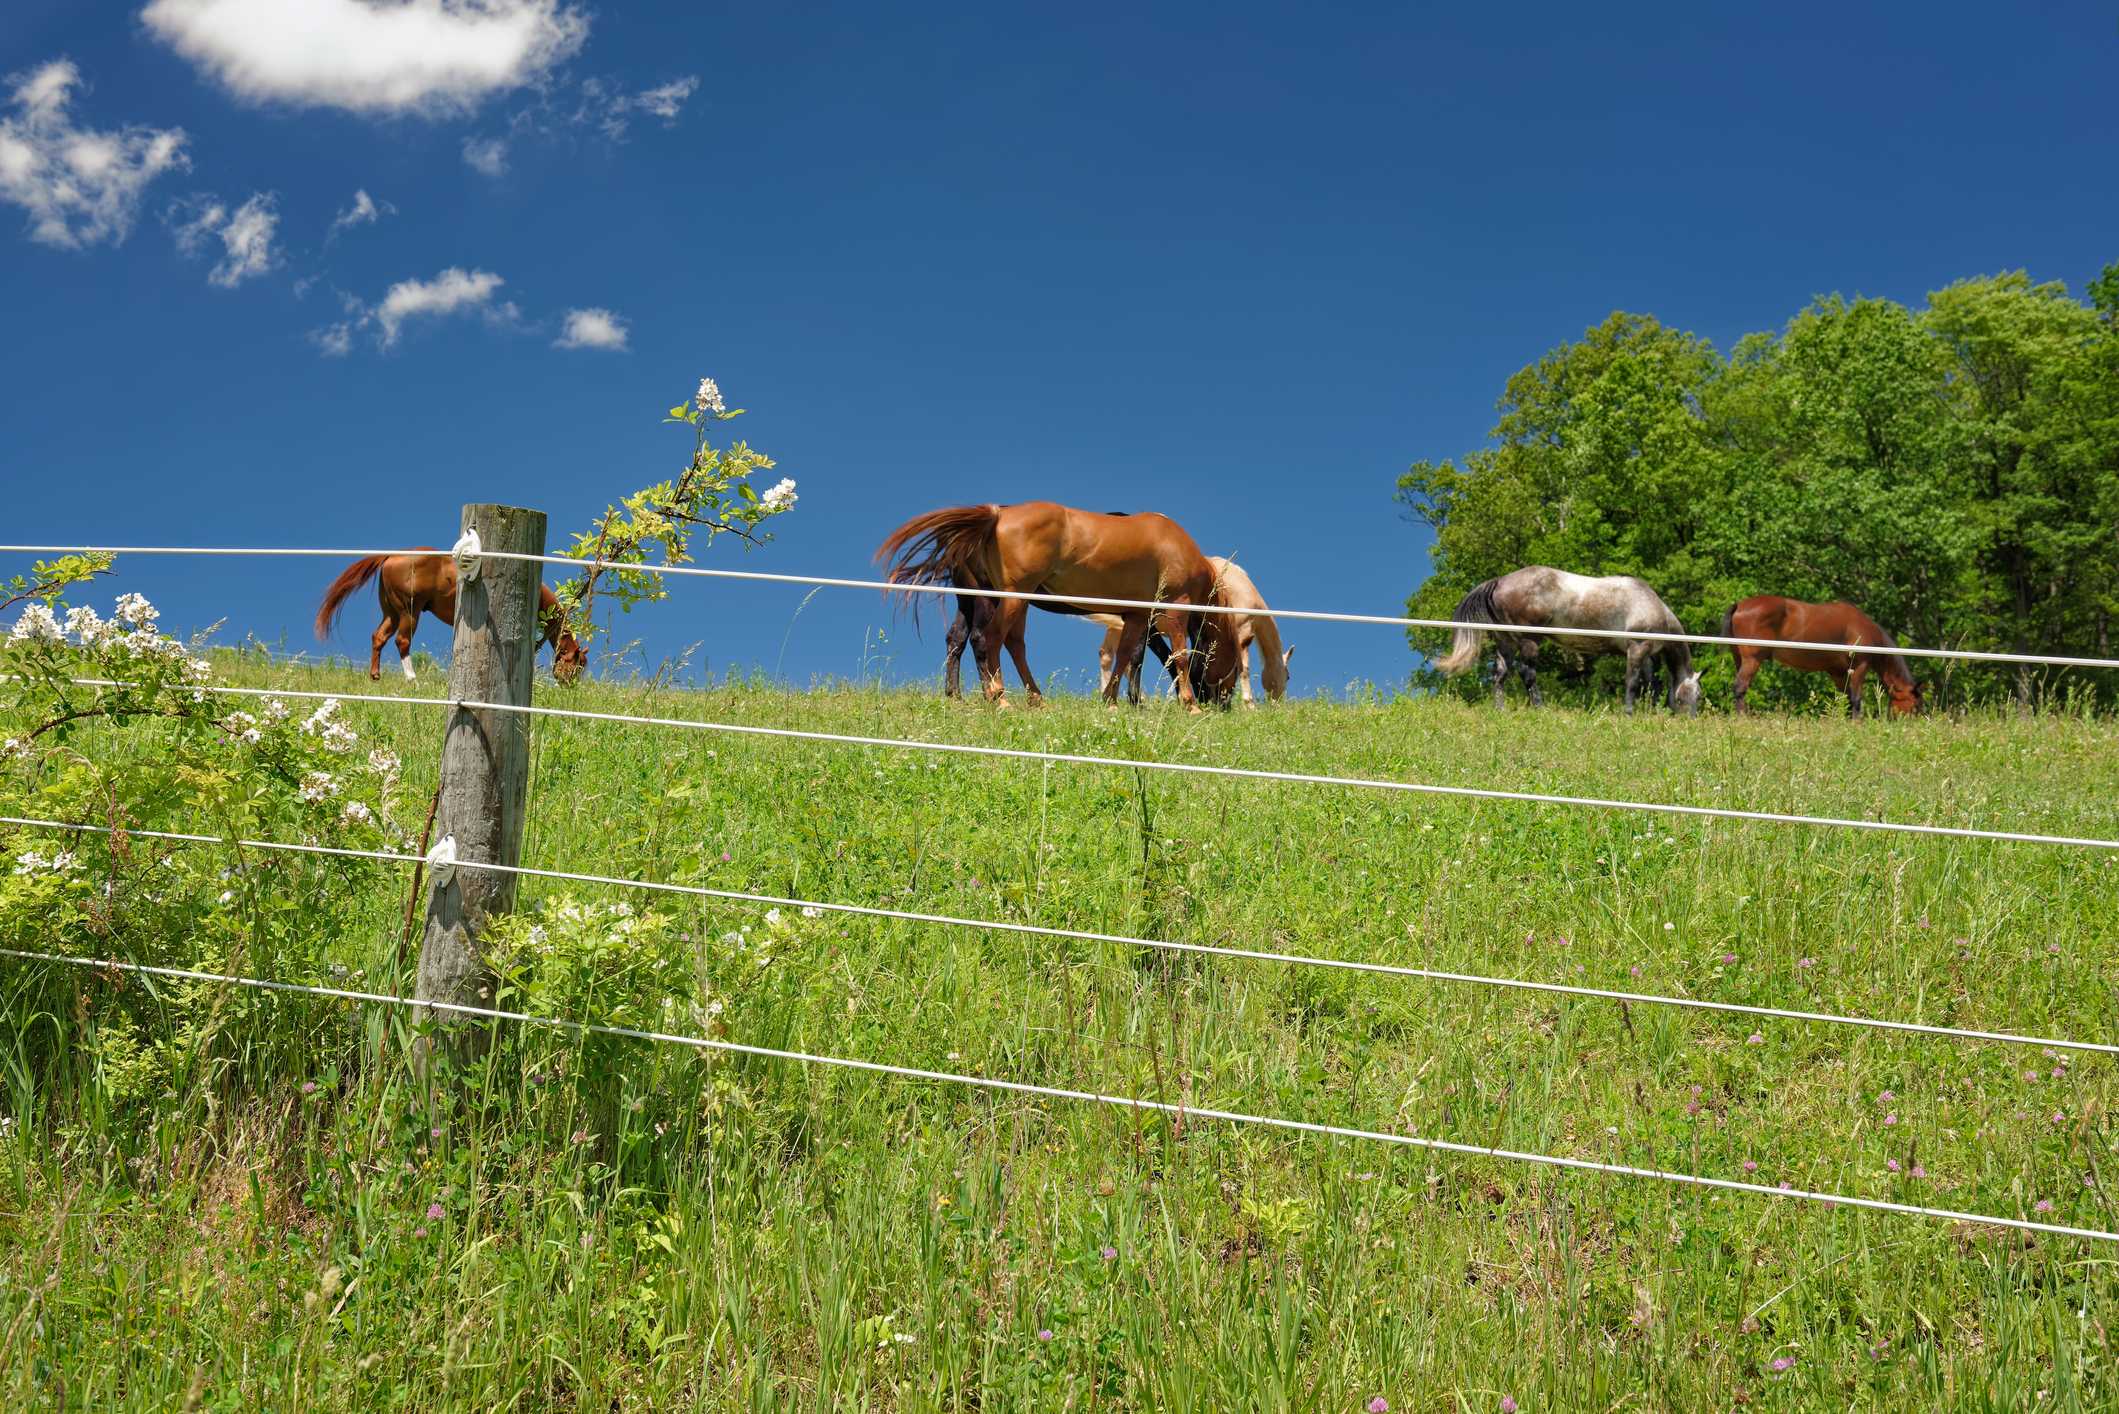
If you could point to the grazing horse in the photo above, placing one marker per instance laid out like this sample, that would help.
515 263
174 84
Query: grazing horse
1044 548
1237 591
1543 597
411 585
1771 616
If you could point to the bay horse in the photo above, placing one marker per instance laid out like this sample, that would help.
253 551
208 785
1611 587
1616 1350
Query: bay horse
1046 548
1237 591
1543 597
411 585
1771 616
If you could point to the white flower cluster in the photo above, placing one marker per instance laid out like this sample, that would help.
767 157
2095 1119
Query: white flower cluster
780 497
383 762
91 631
356 813
11 748
709 397
325 725
276 711
134 611
36 625
30 863
319 785
241 726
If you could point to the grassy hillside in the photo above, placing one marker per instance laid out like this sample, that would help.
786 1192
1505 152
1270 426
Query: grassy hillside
238 1201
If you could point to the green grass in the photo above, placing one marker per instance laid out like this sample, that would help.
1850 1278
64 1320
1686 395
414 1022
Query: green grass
633 1226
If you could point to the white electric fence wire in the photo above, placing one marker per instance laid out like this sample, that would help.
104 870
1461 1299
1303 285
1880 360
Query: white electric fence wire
1384 969
1129 1102
1711 812
1090 601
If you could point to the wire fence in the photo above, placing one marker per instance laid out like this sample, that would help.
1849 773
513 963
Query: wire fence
444 854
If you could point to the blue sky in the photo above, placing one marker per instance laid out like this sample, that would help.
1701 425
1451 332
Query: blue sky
1238 265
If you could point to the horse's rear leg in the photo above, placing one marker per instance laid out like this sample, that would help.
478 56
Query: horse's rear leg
1854 684
375 646
1638 664
1527 669
405 625
1018 615
1502 668
1132 644
1747 666
1173 626
953 663
986 640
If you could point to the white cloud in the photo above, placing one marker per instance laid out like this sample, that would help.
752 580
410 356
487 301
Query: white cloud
80 186
413 56
487 154
365 211
602 105
593 329
333 340
245 235
453 290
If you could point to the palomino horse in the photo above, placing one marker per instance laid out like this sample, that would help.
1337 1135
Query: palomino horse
1771 616
1044 548
411 585
1236 590
1543 597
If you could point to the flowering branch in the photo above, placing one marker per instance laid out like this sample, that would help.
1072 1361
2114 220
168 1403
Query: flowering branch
713 494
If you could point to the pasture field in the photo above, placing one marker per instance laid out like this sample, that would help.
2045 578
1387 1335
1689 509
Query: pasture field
233 1200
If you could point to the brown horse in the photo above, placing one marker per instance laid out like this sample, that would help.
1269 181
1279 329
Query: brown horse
412 585
1043 548
1771 616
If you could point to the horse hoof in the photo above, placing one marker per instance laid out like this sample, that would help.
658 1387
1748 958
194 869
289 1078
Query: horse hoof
1034 700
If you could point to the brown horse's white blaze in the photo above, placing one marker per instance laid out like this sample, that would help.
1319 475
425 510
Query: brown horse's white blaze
1771 616
410 585
1040 547
1235 589
1542 597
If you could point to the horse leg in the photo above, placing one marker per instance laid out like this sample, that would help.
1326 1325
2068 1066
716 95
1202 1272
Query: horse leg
1747 666
405 625
1016 650
987 636
1527 669
1106 658
1855 681
1243 670
953 664
1132 643
1502 668
375 646
1637 660
1173 627
1134 667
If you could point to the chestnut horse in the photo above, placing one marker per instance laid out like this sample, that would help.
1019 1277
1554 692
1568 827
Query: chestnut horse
1771 616
1234 588
1542 596
1043 548
411 585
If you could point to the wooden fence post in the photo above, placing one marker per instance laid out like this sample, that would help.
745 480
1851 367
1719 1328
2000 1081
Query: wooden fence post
485 764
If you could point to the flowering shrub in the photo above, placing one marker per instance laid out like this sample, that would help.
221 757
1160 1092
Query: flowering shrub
712 496
111 723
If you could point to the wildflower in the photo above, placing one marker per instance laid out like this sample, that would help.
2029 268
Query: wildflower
2052 948
1891 1164
318 785
580 1136
1045 1335
2059 1117
1379 1405
134 611
1751 1166
11 748
772 917
36 625
419 1232
902 1338
1110 1254
1508 1404
2043 1205
356 813
339 737
1786 1186
810 910
91 631
1635 970
713 1008
308 1087
781 496
1890 1120
241 726
30 863
1670 927
709 397
1919 1171
276 711
1755 1039
1783 1362
383 761
1806 963
1728 959
1885 1097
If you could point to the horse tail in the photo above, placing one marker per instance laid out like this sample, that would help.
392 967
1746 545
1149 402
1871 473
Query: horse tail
953 545
1476 607
351 578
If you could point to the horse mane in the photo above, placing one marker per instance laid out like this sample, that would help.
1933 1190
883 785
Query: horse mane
351 578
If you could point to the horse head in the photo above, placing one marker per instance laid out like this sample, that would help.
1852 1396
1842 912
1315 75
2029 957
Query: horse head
1215 662
1685 695
568 659
1908 698
1274 673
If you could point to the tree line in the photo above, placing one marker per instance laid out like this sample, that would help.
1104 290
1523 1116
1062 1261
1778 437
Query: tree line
1952 469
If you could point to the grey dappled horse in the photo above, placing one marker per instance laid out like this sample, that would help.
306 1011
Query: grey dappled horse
1543 597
